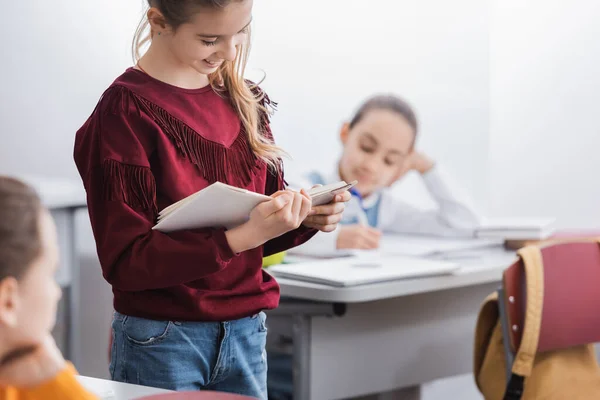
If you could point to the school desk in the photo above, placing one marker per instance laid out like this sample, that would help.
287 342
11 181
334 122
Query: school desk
110 390
384 337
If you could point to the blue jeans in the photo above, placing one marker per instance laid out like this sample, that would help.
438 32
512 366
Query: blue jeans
221 356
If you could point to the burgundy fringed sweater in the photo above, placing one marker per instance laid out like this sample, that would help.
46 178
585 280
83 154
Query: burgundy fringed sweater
147 145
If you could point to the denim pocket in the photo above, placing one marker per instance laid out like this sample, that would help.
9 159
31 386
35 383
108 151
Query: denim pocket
262 318
145 332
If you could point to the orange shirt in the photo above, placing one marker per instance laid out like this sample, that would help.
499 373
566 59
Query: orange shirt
64 386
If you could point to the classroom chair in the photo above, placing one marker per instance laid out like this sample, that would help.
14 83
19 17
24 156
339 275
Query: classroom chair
535 335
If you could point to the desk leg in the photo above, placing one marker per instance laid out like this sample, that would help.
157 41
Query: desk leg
301 354
74 303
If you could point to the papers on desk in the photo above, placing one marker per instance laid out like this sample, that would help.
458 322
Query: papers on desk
399 257
427 246
356 271
517 228
410 245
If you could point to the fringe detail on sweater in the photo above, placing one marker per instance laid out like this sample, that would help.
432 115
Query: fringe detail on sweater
131 184
214 160
281 183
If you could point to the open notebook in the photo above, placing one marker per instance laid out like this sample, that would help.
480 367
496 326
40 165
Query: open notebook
360 271
222 205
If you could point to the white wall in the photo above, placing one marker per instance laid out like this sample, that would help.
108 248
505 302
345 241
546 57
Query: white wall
322 58
545 94
57 59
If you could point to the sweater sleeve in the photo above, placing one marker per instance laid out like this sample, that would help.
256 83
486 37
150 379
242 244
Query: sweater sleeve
64 386
112 154
455 216
275 182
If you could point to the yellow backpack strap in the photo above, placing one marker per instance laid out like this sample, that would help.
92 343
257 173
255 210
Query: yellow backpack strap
486 321
525 357
534 275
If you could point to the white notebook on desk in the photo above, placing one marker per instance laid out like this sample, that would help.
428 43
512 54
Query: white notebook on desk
517 228
222 205
427 246
361 271
392 244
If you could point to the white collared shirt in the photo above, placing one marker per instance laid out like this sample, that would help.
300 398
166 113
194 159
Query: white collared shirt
454 216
